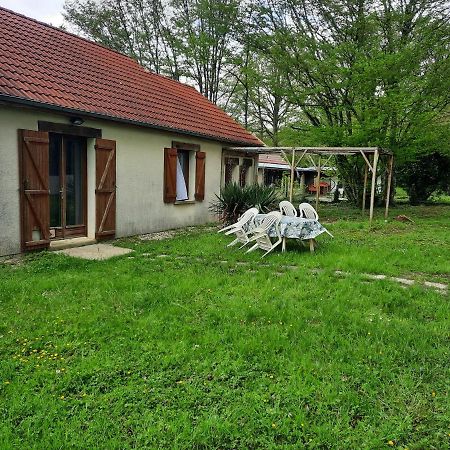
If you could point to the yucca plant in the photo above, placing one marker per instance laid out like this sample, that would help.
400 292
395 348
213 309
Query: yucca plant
233 200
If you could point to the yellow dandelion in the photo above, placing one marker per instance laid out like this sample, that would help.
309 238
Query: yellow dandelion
62 397
391 443
274 425
433 394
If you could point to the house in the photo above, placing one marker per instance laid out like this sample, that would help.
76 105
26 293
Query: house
94 145
272 167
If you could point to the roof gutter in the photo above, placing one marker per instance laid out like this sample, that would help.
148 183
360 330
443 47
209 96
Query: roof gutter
36 104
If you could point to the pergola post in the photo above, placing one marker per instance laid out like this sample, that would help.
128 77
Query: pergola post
291 187
318 186
374 182
302 185
389 182
366 173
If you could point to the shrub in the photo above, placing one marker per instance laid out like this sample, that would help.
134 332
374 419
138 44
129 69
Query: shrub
425 175
233 200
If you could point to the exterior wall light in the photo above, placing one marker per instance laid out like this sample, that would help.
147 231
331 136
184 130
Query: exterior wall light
76 121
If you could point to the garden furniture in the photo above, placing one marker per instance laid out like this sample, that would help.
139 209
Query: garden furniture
260 234
299 228
241 227
308 212
288 209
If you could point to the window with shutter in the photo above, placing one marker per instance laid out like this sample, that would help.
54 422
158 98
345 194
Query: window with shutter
200 176
184 173
170 175
105 192
34 189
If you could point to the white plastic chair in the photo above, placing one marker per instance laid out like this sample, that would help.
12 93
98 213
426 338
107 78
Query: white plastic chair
308 212
288 209
241 228
261 233
250 213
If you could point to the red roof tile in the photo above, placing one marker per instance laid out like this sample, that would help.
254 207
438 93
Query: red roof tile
42 64
272 158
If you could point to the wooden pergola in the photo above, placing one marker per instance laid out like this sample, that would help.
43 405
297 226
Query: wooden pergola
371 156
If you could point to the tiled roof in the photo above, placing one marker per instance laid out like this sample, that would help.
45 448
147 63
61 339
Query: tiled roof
272 158
50 67
276 161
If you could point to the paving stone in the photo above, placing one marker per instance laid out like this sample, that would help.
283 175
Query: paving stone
432 284
375 276
405 281
340 273
95 252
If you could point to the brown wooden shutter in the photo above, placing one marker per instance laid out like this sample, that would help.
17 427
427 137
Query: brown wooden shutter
34 193
105 188
170 175
200 175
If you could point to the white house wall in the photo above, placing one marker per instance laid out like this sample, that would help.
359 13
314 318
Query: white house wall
140 164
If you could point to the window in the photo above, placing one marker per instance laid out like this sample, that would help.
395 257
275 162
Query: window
238 170
245 173
231 170
184 173
183 168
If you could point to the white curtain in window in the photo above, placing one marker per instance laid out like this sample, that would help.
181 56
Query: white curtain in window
181 183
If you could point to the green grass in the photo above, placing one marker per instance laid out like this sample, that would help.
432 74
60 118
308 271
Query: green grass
190 351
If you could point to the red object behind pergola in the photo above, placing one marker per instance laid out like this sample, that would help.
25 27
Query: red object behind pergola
371 156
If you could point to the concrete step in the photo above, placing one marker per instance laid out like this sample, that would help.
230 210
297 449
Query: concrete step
71 243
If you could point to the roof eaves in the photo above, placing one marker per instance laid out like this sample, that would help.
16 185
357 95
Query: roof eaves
36 104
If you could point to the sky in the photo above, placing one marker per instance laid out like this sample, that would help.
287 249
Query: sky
48 11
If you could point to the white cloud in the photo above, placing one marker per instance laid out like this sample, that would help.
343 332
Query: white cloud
48 11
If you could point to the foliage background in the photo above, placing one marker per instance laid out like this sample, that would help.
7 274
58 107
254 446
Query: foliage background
302 72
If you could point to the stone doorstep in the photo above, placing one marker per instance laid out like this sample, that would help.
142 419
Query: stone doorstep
62 244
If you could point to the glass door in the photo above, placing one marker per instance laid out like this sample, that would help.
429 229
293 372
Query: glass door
67 171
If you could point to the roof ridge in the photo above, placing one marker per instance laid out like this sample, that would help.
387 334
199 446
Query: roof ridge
146 69
48 56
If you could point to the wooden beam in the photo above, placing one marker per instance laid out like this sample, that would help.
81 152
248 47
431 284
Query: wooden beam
372 190
366 173
312 161
367 160
301 157
389 182
291 188
326 162
318 186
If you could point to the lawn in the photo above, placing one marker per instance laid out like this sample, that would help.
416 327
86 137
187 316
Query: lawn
188 344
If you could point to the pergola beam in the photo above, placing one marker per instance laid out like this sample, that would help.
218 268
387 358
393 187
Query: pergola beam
334 151
313 150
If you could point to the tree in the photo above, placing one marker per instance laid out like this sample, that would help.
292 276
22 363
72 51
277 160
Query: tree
138 28
362 73
206 30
